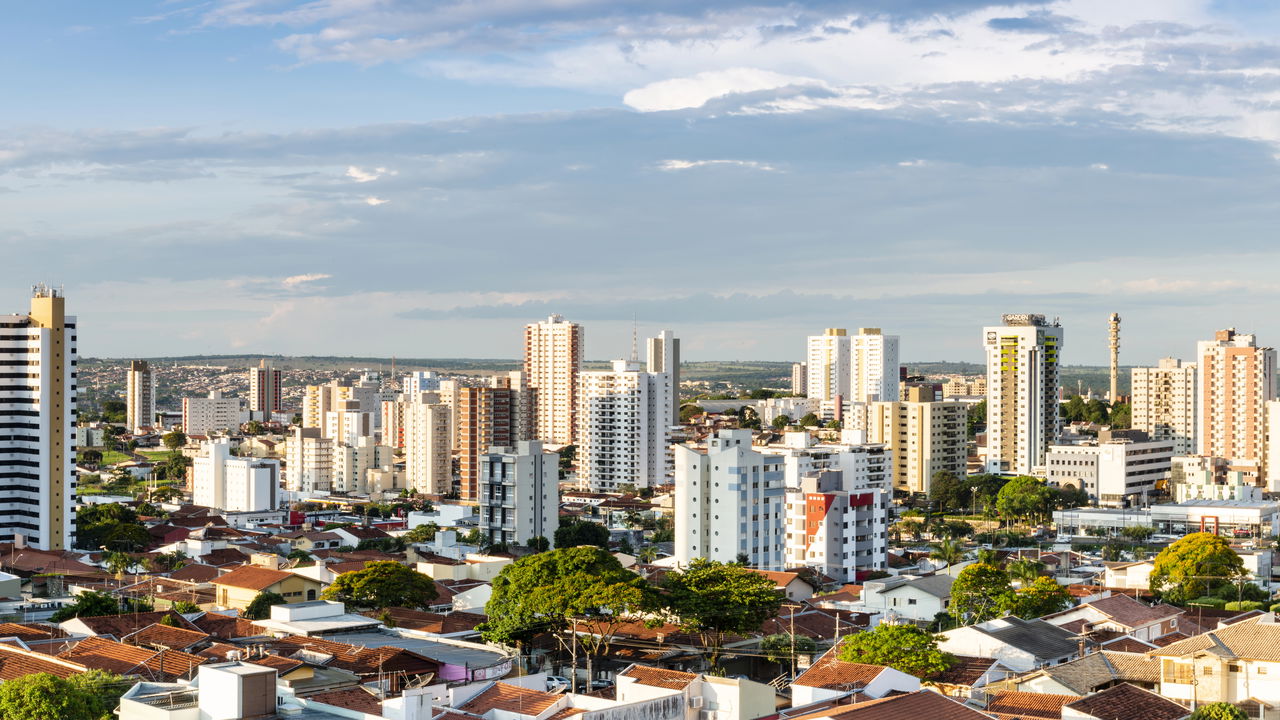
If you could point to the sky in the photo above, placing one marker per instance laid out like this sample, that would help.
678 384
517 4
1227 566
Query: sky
421 178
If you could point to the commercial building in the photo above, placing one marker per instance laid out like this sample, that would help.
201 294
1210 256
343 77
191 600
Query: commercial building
827 363
1116 472
1235 380
837 523
428 439
1196 477
1022 392
223 481
140 396
924 438
729 502
552 361
1221 517
873 366
38 409
664 357
201 416
264 389
1164 403
625 417
308 461
519 493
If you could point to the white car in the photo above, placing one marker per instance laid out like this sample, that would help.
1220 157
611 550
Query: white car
557 684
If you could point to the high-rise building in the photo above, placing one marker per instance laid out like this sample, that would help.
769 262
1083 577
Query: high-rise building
201 416
925 438
624 421
140 396
37 409
428 444
837 523
420 382
729 503
308 461
800 379
1022 392
318 401
234 484
352 463
1164 403
519 493
827 364
552 361
486 417
664 357
873 366
347 422
264 389
1235 379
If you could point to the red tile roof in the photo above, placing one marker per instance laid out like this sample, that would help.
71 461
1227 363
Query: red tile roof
355 698
659 677
922 704
121 625
252 577
103 654
163 636
16 662
1128 702
195 572
511 698
227 627
1027 705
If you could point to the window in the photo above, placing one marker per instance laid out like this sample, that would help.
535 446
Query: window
1233 668
1207 670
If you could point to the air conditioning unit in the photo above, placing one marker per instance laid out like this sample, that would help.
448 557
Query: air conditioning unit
695 702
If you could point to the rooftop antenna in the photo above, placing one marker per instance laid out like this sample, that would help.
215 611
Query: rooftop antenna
635 354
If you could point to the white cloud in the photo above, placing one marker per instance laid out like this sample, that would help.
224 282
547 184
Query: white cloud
375 201
675 164
364 176
913 163
695 91
294 281
1099 166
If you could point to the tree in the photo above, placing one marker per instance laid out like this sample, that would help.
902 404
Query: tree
979 593
782 647
949 491
948 551
716 599
253 427
42 696
184 607
1038 598
174 440
748 417
689 412
1024 497
101 691
810 420
88 604
905 648
422 534
127 537
1194 566
538 544
381 585
1218 711
582 532
89 456
953 529
1138 533
1026 570
1070 496
781 421
260 607
976 422
1073 410
118 563
568 454
985 489
1121 415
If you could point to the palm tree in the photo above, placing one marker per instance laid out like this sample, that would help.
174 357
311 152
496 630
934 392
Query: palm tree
1025 570
647 554
948 551
118 563
987 556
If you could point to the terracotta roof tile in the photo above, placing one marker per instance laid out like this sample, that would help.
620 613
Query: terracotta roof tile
1251 639
510 698
31 631
439 623
967 671
363 661
283 665
103 654
227 627
195 572
1028 705
1127 702
1132 613
16 662
835 674
163 636
910 706
355 698
121 625
252 577
659 677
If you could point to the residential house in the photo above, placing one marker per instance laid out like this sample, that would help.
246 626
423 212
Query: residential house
967 675
1122 614
789 584
1235 663
1020 644
918 705
239 587
830 678
1091 673
1124 701
913 598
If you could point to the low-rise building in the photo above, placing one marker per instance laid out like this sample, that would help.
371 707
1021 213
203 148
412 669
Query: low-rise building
1116 472
239 587
1021 644
223 481
519 493
909 597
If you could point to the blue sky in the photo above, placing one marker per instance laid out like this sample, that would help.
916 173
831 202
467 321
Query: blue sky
422 177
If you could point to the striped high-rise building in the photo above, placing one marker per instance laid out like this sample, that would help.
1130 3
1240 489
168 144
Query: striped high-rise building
1022 392
552 361
873 366
37 412
140 396
1235 379
1164 403
264 389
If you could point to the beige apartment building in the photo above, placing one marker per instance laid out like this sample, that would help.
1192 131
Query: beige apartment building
264 389
140 396
428 444
552 361
1235 379
925 437
1164 403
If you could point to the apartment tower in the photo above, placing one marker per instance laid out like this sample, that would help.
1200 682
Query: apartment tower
827 364
664 357
625 417
552 361
1235 380
925 437
140 396
264 389
486 417
873 366
519 493
1164 403
1022 392
38 407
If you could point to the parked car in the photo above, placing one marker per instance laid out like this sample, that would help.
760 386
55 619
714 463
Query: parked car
557 684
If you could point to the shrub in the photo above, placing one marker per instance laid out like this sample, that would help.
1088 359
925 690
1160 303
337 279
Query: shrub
1212 602
1243 605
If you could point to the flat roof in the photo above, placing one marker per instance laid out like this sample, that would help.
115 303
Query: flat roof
447 653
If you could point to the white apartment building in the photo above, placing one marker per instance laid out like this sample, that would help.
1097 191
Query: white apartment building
1164 403
793 407
234 484
800 379
552 360
1196 477
1022 392
827 364
420 382
428 444
351 464
924 438
1115 472
624 420
140 396
519 493
864 464
1235 380
265 383
729 501
347 422
837 523
201 416
873 366
308 461
318 401
664 357
38 407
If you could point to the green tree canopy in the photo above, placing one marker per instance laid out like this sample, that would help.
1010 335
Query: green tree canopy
422 533
88 604
43 697
1025 497
810 420
582 532
1218 711
260 607
538 543
689 412
949 491
777 648
715 599
781 421
174 440
980 592
976 422
905 648
1037 598
948 551
1194 566
383 584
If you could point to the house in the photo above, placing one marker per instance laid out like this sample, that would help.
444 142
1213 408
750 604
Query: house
918 705
239 587
1128 575
968 674
1122 614
1091 673
1124 701
830 677
1235 663
1013 705
914 598
353 535
719 698
789 584
472 566
314 618
1020 644
99 653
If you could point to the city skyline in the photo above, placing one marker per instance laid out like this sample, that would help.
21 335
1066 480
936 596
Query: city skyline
231 177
